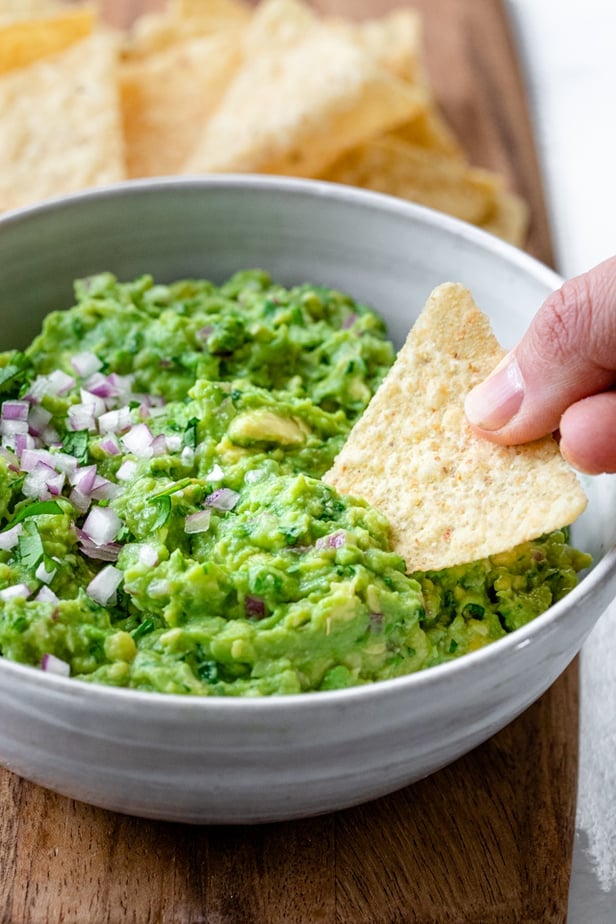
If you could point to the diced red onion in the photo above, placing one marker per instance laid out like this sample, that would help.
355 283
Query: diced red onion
9 538
38 419
30 458
46 595
333 541
51 437
53 665
159 588
254 607
204 332
115 421
103 489
63 462
158 445
101 385
254 475
376 622
58 382
15 410
109 444
139 440
198 522
81 417
9 427
223 499
103 587
15 592
174 442
216 474
83 478
43 482
107 552
349 322
85 364
39 387
24 441
43 575
102 525
93 402
148 555
81 502
122 385
188 456
127 470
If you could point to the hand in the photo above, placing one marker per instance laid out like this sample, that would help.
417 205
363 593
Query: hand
560 376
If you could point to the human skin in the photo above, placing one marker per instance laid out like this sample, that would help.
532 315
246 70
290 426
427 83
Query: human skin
561 376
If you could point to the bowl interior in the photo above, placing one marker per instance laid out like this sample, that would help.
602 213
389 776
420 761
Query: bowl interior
383 252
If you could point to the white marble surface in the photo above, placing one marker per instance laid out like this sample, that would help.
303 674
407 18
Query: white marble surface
567 50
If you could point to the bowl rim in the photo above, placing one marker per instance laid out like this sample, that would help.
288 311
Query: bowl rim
420 680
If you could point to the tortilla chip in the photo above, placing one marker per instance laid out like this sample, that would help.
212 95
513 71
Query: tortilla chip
411 172
25 9
393 41
61 124
157 31
451 497
213 13
167 97
429 130
278 24
296 110
24 41
508 219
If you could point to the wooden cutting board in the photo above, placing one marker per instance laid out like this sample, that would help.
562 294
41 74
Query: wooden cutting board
485 841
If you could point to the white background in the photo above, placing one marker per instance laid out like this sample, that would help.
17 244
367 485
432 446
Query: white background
568 52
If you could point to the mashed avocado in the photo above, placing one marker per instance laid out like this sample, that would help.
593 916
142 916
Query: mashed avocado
163 525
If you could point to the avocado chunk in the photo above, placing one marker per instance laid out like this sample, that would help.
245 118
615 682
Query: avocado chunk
264 426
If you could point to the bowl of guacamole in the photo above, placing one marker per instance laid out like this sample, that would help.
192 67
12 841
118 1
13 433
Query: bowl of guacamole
181 592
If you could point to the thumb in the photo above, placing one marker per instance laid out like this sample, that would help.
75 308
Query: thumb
568 353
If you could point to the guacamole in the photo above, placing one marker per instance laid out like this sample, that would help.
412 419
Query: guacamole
163 525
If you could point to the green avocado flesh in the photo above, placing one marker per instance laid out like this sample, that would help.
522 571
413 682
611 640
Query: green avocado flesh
163 525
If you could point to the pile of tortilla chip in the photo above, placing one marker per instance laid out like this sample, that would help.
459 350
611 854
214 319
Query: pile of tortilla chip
222 86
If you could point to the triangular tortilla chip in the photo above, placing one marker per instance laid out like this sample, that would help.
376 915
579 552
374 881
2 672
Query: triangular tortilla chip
61 128
294 110
449 496
508 218
168 96
429 130
24 9
394 41
24 41
408 171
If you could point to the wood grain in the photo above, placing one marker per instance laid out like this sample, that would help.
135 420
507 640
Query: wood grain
485 841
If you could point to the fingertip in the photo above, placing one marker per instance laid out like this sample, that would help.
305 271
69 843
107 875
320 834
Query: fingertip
588 434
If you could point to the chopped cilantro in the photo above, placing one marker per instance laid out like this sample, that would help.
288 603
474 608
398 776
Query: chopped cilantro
30 549
189 437
13 374
163 504
40 508
172 489
75 443
142 629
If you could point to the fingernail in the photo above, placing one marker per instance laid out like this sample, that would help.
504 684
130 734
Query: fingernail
493 403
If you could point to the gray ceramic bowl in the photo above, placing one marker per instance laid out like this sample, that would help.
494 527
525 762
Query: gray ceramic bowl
217 760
